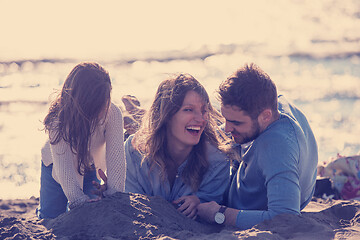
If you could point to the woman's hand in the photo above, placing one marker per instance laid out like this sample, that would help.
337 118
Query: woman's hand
100 188
187 205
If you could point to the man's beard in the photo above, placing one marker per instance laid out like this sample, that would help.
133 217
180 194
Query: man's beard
255 132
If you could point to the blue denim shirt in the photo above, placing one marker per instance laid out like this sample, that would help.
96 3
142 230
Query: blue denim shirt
278 171
139 179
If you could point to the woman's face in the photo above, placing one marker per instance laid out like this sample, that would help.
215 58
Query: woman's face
186 126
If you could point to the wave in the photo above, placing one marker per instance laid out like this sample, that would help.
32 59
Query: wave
6 103
325 56
206 51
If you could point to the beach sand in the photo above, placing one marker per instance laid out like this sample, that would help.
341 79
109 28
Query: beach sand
134 216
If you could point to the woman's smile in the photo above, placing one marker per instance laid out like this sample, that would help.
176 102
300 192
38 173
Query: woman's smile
192 118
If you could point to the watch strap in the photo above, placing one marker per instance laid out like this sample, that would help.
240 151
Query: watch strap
222 209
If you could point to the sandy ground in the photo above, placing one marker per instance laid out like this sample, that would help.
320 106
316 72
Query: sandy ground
134 216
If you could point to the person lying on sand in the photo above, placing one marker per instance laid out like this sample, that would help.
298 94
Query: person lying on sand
176 152
84 128
349 166
279 152
344 174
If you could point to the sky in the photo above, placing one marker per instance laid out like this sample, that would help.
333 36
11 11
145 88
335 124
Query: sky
46 28
67 28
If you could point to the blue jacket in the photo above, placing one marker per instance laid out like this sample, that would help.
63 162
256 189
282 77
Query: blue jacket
278 171
139 179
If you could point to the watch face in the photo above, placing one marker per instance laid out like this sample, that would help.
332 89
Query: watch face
219 218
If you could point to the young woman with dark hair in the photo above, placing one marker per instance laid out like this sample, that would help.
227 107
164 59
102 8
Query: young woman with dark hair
85 134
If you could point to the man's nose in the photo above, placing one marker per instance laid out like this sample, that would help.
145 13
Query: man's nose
228 127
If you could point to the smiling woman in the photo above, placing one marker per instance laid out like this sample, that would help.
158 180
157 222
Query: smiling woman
187 125
176 153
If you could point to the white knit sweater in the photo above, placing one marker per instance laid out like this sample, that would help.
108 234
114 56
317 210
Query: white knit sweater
107 151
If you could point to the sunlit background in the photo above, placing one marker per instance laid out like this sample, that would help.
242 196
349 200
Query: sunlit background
311 49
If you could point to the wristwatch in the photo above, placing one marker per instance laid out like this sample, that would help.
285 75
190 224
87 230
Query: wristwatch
220 215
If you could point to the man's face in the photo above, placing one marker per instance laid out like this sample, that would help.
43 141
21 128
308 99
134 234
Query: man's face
239 124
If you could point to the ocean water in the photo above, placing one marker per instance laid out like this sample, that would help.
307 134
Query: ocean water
310 49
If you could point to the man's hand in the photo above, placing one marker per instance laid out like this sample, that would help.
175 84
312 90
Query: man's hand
100 188
207 211
187 205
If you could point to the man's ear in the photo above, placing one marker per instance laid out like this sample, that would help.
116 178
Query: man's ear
265 118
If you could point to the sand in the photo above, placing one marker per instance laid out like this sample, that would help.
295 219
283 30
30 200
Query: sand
134 216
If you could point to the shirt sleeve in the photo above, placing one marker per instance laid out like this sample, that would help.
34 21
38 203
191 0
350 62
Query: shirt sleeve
133 161
115 156
278 163
66 173
216 179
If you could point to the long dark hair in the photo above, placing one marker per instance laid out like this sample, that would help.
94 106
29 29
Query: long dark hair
151 138
76 112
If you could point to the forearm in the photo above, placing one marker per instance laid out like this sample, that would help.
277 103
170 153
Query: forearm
70 183
231 216
66 174
245 219
115 156
116 172
283 194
